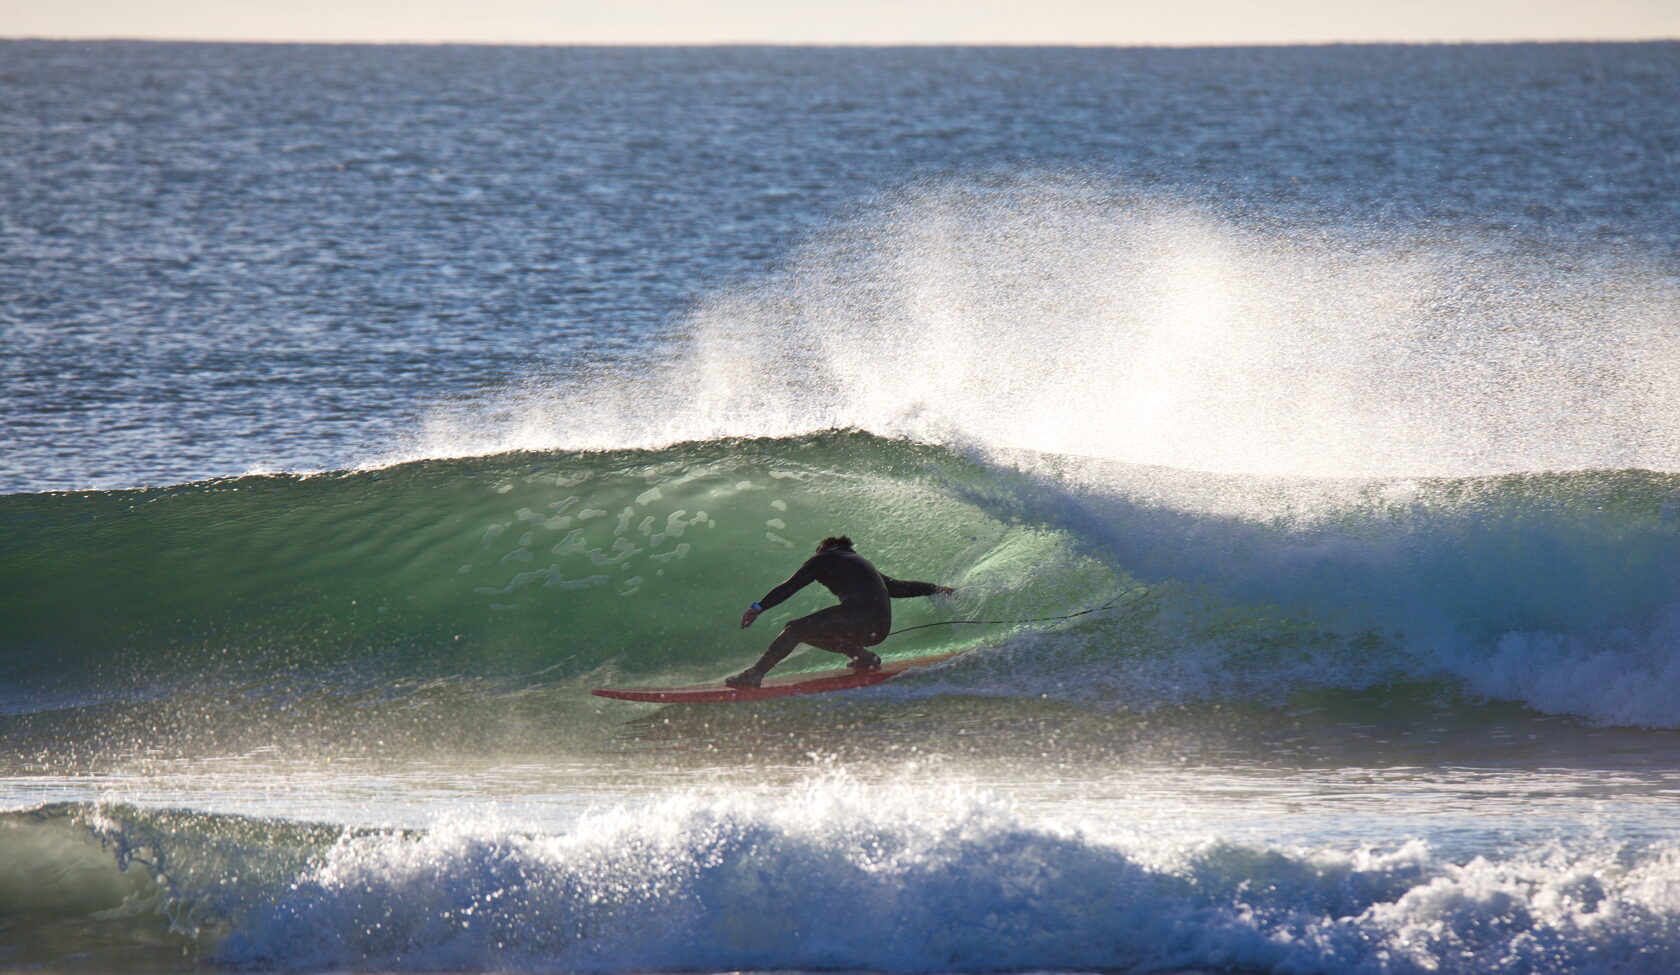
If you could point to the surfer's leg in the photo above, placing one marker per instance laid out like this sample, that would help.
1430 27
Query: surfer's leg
842 630
838 629
779 648
868 636
853 642
778 651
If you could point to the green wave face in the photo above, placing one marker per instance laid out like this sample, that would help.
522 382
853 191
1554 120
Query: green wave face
525 572
509 565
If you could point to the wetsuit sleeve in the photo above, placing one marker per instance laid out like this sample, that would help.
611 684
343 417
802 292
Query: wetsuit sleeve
799 580
902 590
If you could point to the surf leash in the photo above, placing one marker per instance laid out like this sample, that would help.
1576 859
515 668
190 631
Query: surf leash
1142 591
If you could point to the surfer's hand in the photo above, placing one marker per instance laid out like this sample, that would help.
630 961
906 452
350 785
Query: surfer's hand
748 617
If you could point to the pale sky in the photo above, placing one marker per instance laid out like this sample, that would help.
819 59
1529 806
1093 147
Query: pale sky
1084 22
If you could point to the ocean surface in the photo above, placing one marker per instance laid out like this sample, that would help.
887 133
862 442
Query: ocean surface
362 408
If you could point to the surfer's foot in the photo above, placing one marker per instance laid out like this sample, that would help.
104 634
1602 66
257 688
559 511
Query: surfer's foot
865 661
751 677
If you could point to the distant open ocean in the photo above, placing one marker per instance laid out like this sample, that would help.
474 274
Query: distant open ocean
363 407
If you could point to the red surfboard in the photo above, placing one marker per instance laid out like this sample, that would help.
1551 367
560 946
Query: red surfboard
819 682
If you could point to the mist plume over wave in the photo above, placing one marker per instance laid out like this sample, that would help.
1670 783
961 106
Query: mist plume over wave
1003 313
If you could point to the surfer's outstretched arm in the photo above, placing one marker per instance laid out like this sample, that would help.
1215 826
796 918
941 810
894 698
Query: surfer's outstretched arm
903 590
799 580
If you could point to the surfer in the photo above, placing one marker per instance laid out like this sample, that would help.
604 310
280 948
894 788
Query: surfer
860 621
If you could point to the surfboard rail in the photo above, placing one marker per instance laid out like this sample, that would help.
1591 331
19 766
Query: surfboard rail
789 685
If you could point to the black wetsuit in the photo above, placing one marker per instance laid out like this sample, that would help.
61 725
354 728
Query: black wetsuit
861 620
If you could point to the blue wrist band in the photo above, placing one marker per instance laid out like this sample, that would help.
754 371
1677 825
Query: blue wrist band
757 608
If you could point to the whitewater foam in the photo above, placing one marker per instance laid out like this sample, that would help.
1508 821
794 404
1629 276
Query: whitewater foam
1554 591
834 875
827 886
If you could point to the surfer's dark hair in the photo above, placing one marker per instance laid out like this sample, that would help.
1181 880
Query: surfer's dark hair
835 541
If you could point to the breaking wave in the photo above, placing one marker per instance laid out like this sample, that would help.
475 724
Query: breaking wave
829 877
1555 591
